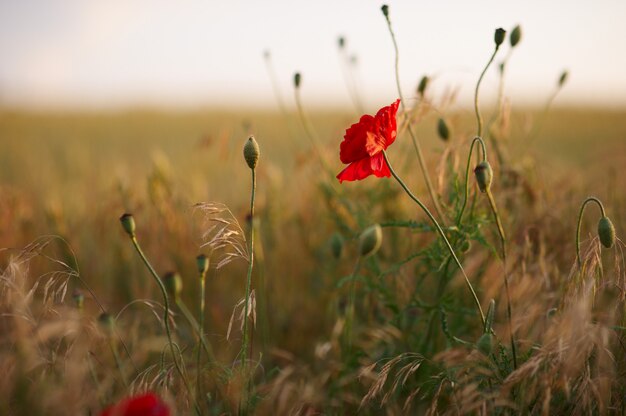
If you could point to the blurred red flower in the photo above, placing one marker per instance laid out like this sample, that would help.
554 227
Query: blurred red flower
364 142
147 404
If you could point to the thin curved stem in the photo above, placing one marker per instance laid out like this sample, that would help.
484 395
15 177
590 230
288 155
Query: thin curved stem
416 145
441 234
351 300
246 339
200 332
467 172
479 119
166 315
196 328
509 312
309 132
580 220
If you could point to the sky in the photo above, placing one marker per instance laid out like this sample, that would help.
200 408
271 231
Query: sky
187 53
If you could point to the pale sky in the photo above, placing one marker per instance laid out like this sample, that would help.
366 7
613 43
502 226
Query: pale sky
108 53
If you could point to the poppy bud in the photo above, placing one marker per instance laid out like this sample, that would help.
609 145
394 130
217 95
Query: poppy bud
370 240
342 42
563 78
297 79
516 36
498 37
203 264
421 87
443 130
606 231
106 321
484 175
251 152
128 223
336 245
484 343
174 284
385 10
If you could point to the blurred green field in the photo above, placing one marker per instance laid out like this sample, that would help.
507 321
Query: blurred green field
73 175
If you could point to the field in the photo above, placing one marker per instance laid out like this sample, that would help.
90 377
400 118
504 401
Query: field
376 296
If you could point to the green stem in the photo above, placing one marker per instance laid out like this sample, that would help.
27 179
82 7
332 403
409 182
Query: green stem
200 332
479 119
416 145
459 217
351 300
441 234
166 315
196 328
244 349
309 132
580 220
118 362
509 312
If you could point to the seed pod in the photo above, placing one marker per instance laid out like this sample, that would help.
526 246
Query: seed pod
421 87
606 232
336 245
128 223
498 36
516 36
443 130
251 152
385 10
370 240
485 343
203 264
297 79
484 175
563 78
173 284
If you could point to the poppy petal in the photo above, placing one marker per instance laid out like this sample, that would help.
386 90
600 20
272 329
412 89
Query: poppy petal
386 123
355 141
365 167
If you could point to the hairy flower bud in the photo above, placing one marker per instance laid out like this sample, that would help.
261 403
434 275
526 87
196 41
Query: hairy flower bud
485 343
128 223
563 78
606 232
370 240
498 36
173 284
385 9
341 42
79 299
336 245
516 36
106 322
203 264
484 175
421 87
297 79
251 152
443 130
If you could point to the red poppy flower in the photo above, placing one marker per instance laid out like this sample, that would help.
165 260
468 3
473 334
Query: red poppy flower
364 142
147 404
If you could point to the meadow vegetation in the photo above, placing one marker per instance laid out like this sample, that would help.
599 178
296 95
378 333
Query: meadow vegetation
340 322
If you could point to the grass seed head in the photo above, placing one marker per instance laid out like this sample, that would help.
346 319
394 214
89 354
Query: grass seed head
498 36
516 36
251 152
203 264
443 130
606 232
484 176
370 240
173 284
128 223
